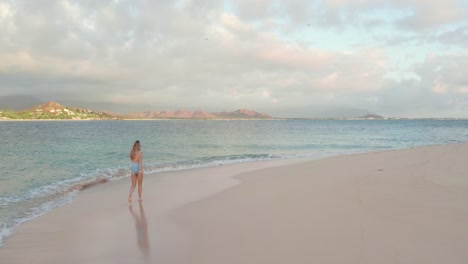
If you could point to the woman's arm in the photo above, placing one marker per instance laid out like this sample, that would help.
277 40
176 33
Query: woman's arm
140 162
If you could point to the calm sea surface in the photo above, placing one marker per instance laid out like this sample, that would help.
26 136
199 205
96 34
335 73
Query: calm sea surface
43 164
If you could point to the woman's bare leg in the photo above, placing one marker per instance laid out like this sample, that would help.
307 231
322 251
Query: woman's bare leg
132 188
140 186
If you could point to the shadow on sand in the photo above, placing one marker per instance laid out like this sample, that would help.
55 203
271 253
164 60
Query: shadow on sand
141 228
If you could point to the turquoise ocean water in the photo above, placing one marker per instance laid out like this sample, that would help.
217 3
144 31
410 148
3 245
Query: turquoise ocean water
44 164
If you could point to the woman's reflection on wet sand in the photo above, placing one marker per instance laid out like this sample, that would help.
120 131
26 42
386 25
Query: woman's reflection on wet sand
141 227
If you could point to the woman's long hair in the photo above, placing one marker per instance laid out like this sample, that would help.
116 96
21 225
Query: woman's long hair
135 149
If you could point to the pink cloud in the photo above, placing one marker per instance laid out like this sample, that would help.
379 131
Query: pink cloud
463 90
294 57
433 13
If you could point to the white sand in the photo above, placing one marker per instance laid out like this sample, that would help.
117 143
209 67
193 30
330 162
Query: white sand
405 206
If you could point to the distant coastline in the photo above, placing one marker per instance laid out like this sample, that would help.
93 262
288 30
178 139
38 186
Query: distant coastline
55 111
52 111
222 119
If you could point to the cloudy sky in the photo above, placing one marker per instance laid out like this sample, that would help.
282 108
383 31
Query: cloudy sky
294 58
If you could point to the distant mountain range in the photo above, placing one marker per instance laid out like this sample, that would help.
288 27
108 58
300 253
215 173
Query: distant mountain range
186 114
13 107
372 116
54 110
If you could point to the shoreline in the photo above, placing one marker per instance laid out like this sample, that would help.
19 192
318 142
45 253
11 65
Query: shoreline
138 119
37 228
184 210
250 119
256 119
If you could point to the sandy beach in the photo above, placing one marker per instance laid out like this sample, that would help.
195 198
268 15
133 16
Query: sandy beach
401 206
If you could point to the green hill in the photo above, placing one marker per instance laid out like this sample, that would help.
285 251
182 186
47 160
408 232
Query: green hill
53 110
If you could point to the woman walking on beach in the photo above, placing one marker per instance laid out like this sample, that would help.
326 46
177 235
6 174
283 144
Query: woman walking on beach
136 170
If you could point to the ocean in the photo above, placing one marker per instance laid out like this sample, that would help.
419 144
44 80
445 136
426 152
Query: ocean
44 164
